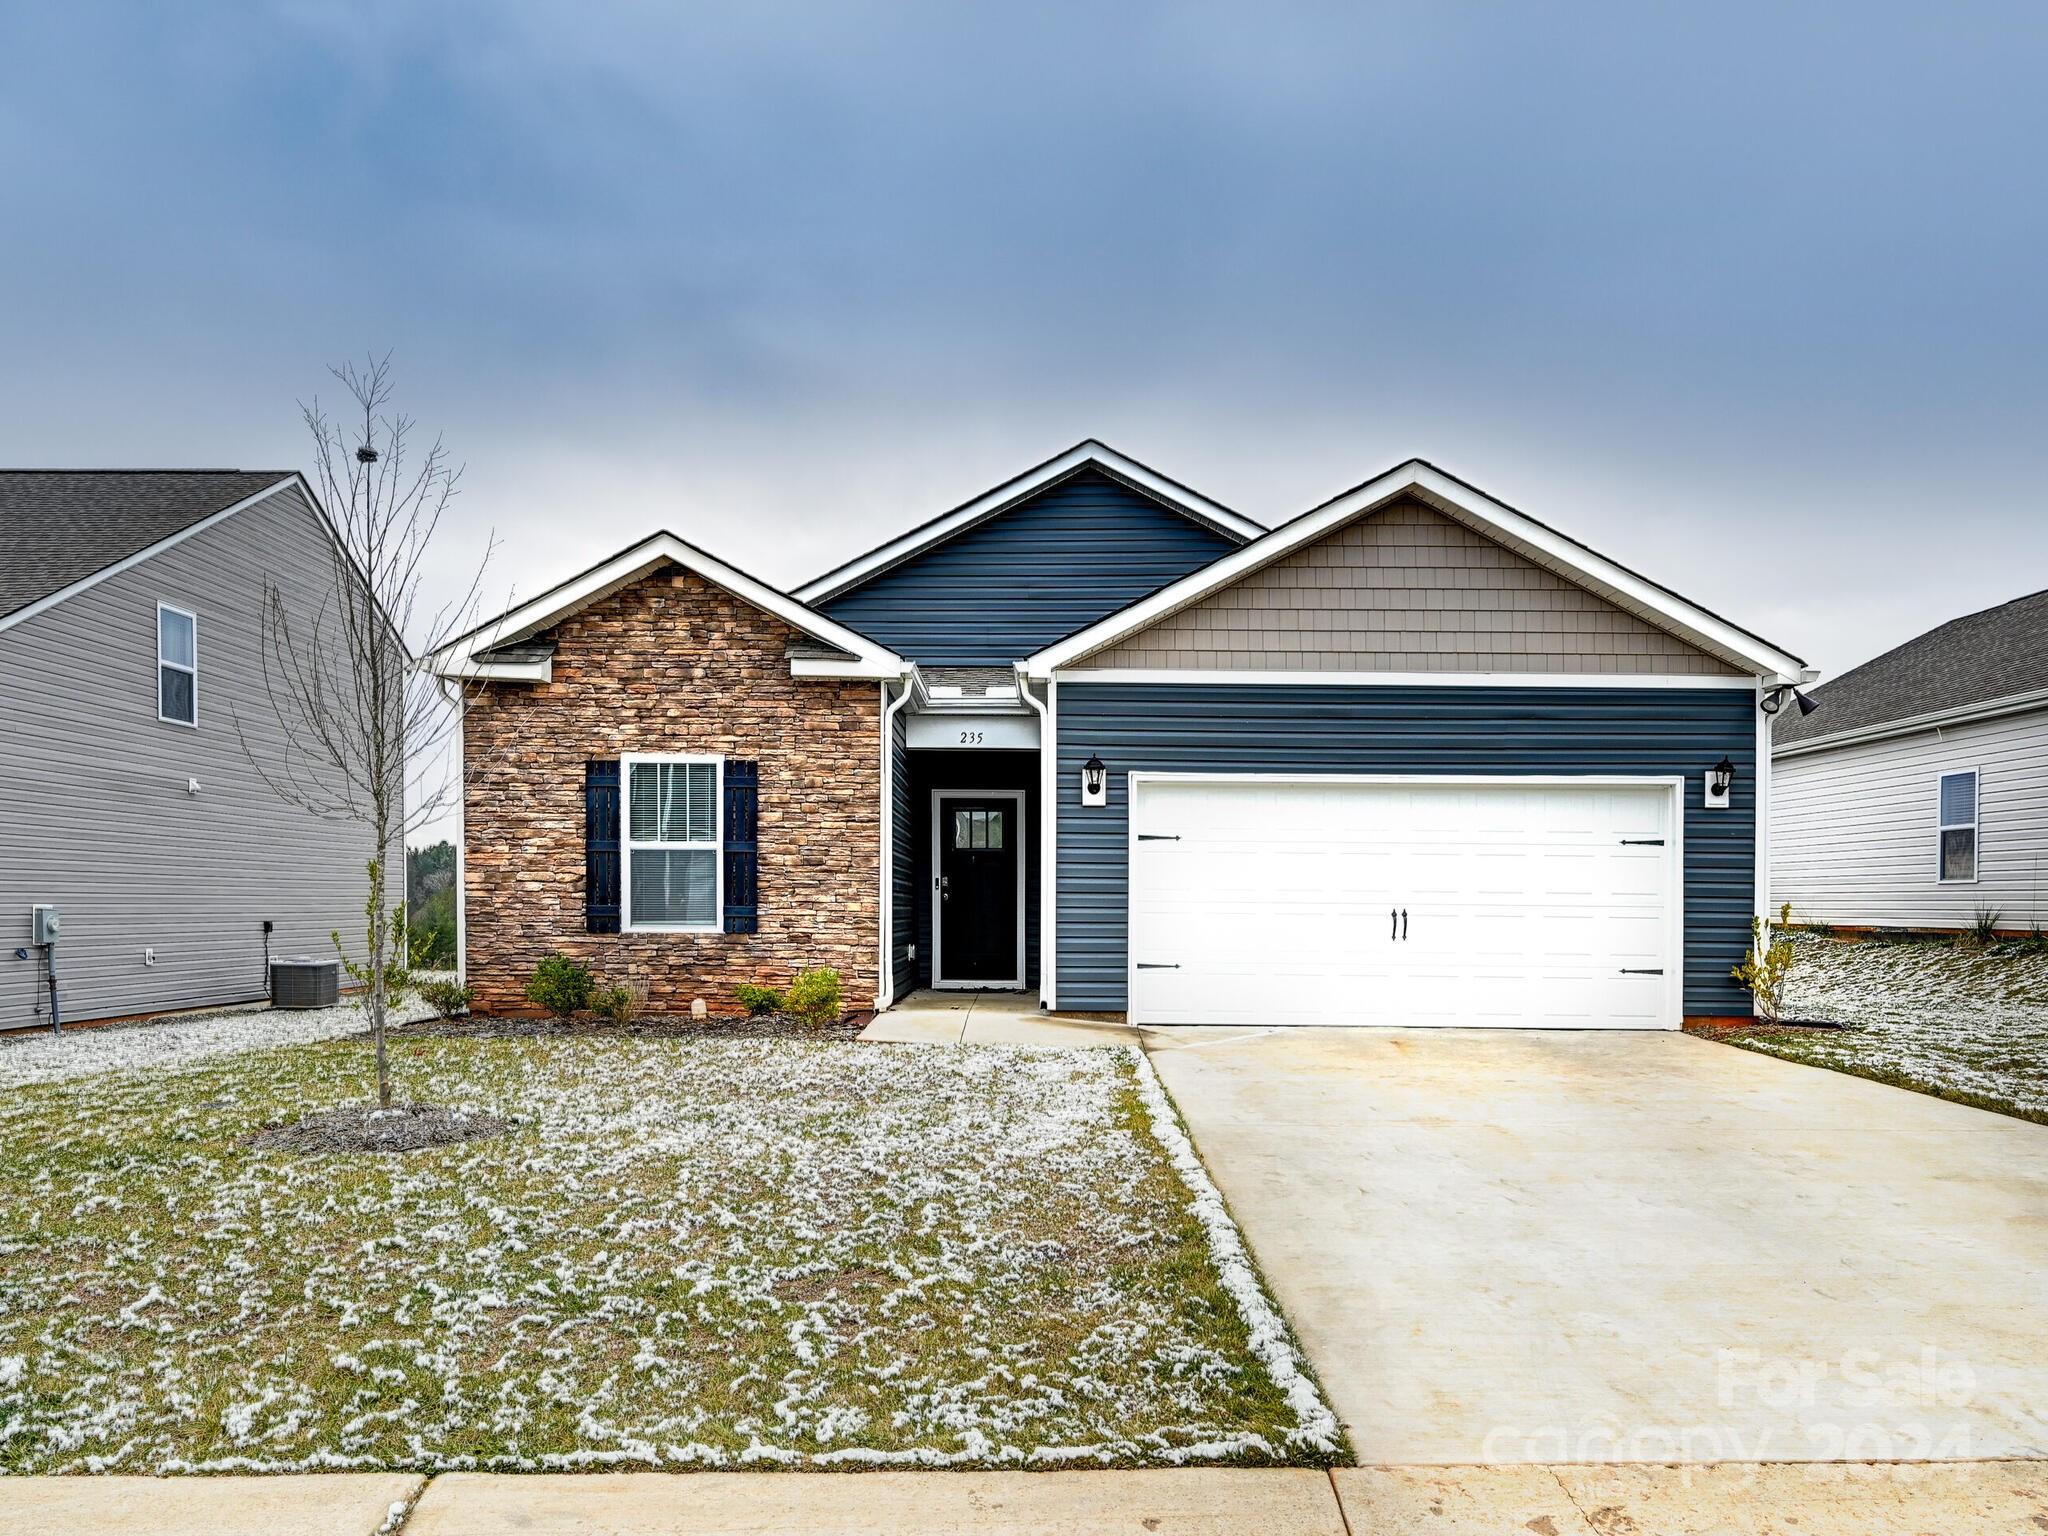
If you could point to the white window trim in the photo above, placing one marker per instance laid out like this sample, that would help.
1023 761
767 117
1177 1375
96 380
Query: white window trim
1976 819
627 762
177 666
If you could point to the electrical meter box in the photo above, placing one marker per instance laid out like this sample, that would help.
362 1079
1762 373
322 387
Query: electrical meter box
43 925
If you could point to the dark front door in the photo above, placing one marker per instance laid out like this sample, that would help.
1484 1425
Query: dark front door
980 842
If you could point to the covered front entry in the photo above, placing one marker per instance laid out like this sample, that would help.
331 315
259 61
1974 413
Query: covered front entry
973 832
1404 901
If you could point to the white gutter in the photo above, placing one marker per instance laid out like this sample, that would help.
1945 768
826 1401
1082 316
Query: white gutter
1048 836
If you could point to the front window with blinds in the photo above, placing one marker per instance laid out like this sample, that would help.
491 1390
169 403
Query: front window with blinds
177 666
672 874
1957 809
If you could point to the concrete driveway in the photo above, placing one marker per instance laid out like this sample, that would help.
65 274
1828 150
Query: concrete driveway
1539 1246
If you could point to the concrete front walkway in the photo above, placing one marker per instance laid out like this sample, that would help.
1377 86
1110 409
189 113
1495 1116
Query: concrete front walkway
1968 1499
1538 1246
990 1018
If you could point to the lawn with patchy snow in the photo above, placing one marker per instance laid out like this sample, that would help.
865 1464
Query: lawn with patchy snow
1965 1022
690 1253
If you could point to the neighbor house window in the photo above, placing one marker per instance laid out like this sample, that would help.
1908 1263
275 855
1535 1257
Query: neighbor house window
672 875
1958 815
177 665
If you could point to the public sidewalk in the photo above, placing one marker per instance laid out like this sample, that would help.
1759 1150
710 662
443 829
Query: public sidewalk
1952 1499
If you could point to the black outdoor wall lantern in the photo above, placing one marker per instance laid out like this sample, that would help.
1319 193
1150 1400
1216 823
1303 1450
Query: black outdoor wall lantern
1094 781
1720 779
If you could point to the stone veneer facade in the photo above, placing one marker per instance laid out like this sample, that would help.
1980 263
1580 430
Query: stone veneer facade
673 664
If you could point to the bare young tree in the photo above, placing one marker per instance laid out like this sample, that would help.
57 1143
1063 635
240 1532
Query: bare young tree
364 728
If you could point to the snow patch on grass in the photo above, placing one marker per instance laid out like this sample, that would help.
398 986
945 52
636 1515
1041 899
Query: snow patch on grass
686 1254
1966 1022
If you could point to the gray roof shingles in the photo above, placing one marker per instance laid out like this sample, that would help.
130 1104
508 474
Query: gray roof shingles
58 526
1979 657
973 682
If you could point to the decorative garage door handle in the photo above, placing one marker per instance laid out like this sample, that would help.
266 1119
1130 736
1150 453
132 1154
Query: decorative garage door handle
1397 918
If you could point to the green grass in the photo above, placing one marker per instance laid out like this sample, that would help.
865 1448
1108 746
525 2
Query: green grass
691 1253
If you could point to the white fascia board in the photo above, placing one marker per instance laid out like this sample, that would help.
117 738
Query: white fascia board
828 666
1402 679
1012 491
865 657
150 551
1683 618
1967 714
542 671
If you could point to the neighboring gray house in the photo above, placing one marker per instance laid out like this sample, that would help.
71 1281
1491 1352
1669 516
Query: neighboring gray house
1917 795
131 672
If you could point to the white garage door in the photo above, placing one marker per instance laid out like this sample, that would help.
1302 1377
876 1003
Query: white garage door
1338 901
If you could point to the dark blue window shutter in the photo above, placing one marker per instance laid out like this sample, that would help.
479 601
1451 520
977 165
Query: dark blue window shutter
601 845
742 846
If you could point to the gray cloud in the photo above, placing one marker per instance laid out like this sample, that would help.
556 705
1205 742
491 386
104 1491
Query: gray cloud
1747 296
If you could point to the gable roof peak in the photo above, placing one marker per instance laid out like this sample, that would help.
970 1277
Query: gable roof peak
1466 503
1089 453
466 656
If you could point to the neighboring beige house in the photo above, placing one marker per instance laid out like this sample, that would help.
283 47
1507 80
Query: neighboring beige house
1916 795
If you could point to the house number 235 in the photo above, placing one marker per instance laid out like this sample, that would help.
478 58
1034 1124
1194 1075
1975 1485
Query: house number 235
970 738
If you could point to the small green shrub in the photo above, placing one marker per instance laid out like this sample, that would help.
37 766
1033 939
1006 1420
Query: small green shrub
560 985
814 996
1984 924
446 998
619 1002
1765 968
758 1000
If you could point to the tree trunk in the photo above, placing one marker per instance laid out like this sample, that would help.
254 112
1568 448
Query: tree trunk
376 997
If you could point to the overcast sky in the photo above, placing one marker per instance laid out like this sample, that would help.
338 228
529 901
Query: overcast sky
1752 298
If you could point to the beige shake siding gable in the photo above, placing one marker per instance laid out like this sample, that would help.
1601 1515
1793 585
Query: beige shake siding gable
1407 589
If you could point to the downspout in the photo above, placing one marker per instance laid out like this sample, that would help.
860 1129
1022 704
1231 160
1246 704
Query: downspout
459 704
1048 835
885 978
1763 816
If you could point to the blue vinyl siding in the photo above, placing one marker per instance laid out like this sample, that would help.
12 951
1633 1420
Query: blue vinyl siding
1256 728
1075 552
903 862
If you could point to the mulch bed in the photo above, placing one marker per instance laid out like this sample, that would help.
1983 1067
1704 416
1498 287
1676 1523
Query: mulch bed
1746 1026
366 1128
766 1026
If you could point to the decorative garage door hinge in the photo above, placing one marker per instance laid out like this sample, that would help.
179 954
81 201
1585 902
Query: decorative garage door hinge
1642 842
1149 965
1658 971
1158 837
